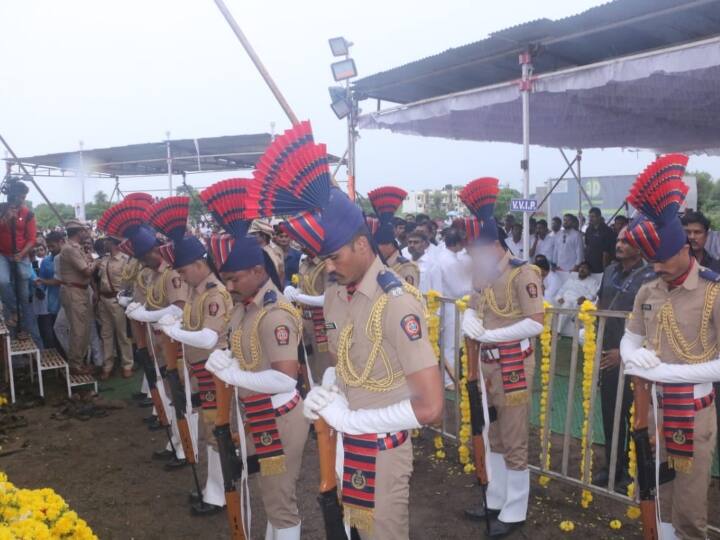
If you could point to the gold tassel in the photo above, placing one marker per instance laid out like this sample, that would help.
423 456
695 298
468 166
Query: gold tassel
682 464
520 397
360 518
272 465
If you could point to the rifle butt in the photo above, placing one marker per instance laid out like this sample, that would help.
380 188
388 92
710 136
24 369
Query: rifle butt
479 458
186 440
332 514
648 519
159 409
234 515
326 441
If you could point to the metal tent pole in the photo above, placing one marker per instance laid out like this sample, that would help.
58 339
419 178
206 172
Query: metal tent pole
169 163
81 213
525 89
578 159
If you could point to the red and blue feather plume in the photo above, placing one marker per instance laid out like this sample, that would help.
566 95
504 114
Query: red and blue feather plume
232 204
386 200
123 219
169 216
305 229
480 196
220 247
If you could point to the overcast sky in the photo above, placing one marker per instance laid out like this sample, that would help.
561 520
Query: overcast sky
117 72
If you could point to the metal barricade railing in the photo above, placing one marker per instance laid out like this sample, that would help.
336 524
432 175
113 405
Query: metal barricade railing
451 422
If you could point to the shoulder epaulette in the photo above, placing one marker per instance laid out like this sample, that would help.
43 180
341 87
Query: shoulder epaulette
211 285
517 262
390 283
709 275
270 297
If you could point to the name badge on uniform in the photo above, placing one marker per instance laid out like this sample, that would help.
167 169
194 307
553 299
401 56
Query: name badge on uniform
330 326
646 307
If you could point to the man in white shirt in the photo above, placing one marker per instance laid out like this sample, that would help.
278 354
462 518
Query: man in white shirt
574 292
551 281
431 251
568 249
543 243
430 275
514 242
456 274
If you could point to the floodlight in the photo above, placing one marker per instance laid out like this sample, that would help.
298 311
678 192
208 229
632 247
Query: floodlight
339 46
344 69
341 108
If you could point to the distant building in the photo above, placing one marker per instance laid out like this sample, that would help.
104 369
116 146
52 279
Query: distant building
434 201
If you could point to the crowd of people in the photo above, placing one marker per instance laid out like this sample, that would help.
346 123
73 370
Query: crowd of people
319 318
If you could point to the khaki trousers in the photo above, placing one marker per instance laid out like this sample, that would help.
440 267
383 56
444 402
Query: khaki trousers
685 499
78 311
278 491
112 329
508 435
392 494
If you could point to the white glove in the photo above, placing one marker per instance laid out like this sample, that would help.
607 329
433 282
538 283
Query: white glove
132 306
707 372
202 339
219 360
269 381
329 378
317 398
524 329
312 301
168 320
396 417
632 352
472 325
123 300
291 293
143 315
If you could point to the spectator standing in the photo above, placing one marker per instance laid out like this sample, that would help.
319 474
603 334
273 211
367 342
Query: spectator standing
619 223
620 283
430 275
508 223
263 231
551 281
697 227
515 241
51 286
291 256
599 242
18 232
543 242
568 249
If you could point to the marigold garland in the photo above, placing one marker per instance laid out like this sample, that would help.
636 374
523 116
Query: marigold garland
587 317
433 322
38 514
545 345
633 512
465 430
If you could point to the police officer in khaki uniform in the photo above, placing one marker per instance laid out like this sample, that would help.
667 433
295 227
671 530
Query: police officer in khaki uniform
506 313
264 232
75 273
385 201
388 380
262 363
672 339
113 327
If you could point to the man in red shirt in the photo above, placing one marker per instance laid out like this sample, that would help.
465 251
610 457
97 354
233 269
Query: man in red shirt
18 232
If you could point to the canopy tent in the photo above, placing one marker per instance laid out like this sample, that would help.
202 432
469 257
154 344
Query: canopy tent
629 73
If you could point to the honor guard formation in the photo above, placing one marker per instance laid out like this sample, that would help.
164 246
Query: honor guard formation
245 353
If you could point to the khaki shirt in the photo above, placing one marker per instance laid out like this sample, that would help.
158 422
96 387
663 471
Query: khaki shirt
403 337
692 306
166 287
111 273
408 270
313 277
208 306
72 262
277 257
513 300
277 334
142 281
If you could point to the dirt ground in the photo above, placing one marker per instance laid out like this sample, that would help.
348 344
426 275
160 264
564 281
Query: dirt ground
103 468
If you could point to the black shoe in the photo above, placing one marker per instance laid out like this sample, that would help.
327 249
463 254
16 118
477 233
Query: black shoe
500 529
137 396
163 455
155 426
478 513
175 464
204 509
150 419
601 477
147 402
194 497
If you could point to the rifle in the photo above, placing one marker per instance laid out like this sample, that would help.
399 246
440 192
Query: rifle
477 421
180 402
229 462
151 376
328 497
645 461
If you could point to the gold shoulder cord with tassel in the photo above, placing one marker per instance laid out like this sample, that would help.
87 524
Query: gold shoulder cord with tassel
309 281
156 292
507 311
374 332
255 347
190 314
140 280
681 347
130 271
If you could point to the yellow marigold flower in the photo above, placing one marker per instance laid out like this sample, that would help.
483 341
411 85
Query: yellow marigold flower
567 526
615 524
633 512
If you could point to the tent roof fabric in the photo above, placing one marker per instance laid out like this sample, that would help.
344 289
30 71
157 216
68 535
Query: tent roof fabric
614 29
230 152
